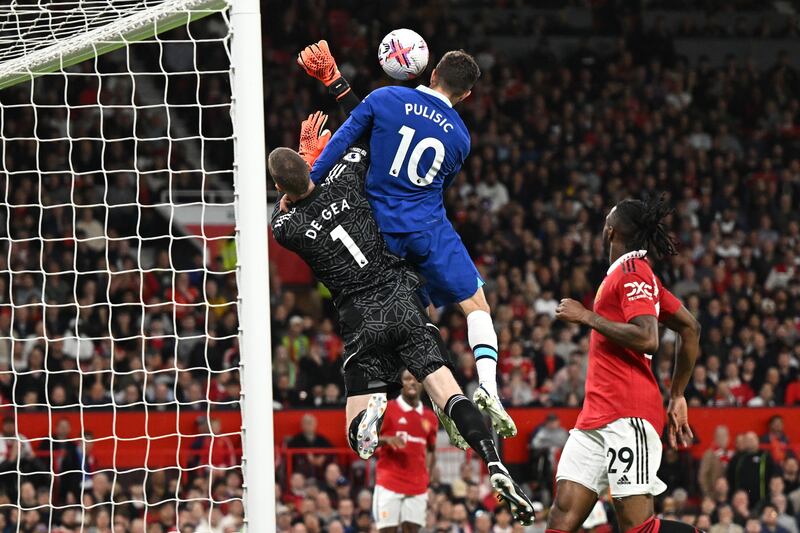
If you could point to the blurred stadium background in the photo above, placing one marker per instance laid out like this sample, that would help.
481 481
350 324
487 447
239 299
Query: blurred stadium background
581 104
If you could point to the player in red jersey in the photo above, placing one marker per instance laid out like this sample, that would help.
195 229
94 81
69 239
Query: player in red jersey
616 441
405 458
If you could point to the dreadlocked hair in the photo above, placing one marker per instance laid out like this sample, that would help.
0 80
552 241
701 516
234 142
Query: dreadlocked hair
642 226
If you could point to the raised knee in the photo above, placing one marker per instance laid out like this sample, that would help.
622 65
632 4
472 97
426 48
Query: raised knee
480 304
477 302
562 519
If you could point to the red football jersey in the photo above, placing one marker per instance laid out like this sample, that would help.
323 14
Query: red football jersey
404 470
619 381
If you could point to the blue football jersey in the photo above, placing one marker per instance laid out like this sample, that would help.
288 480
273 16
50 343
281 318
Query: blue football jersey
418 143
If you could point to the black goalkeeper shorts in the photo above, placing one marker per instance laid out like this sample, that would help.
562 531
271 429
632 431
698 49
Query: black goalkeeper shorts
384 333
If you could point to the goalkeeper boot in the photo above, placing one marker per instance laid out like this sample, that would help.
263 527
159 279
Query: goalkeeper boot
370 425
450 427
490 404
520 505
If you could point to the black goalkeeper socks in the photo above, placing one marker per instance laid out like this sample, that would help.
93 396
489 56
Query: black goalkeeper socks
470 424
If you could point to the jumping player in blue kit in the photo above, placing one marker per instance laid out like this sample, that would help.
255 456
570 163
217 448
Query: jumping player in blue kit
418 144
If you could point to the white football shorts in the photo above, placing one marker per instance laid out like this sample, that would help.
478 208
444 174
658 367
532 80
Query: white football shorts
623 456
391 509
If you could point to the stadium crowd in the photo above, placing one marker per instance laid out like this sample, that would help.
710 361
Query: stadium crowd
554 146
747 484
556 141
103 309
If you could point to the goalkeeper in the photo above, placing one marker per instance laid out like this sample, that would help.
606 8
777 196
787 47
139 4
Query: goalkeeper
385 328
406 197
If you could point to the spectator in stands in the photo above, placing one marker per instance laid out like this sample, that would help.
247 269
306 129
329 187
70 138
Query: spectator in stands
741 507
548 363
546 441
554 143
769 520
77 464
283 522
725 523
721 494
101 488
765 398
750 469
775 440
315 370
569 380
324 509
701 390
10 436
715 461
309 462
295 341
785 519
222 453
791 475
345 512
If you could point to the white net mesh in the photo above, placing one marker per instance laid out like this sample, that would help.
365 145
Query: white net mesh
119 372
29 25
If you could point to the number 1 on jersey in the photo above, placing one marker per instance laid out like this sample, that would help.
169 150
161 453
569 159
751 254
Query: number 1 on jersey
340 234
416 154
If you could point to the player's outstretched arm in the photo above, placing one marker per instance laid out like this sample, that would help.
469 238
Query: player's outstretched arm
354 128
313 137
318 62
640 334
686 326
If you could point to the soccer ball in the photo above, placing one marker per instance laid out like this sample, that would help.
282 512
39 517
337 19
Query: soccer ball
403 54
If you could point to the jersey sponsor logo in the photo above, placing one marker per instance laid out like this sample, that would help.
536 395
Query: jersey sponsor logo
638 290
327 214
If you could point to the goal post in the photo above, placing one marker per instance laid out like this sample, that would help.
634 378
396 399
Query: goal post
253 268
134 277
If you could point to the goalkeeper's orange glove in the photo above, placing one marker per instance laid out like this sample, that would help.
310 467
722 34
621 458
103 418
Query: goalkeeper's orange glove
313 137
318 62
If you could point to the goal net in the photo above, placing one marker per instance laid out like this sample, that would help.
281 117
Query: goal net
120 376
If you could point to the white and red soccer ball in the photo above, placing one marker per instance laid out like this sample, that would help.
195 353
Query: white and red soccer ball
403 54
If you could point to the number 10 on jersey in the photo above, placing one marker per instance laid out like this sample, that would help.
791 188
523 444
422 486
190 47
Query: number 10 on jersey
416 154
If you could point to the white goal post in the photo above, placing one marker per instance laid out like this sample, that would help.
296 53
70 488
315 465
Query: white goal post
251 203
105 114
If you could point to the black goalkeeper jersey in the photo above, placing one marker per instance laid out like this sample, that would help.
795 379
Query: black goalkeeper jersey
334 231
